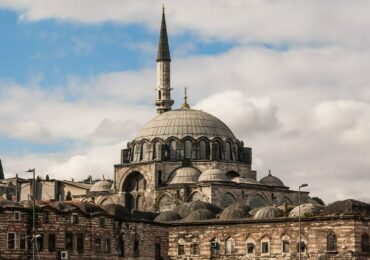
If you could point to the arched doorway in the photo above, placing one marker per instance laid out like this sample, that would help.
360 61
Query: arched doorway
134 188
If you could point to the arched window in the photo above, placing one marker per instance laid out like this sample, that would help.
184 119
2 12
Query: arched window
204 150
230 246
228 152
331 242
136 152
188 149
303 246
144 152
236 152
173 146
216 151
195 250
133 183
181 247
157 151
256 201
365 244
215 247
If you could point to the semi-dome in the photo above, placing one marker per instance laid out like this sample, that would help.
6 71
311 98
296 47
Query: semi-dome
185 175
186 209
271 180
184 122
103 185
213 174
268 213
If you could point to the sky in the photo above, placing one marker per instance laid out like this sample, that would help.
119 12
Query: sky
290 78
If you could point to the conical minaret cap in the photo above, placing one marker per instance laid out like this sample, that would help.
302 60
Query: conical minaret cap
163 47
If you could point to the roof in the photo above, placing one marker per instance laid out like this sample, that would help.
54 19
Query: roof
245 180
347 207
213 174
78 184
185 175
163 46
268 213
167 216
184 122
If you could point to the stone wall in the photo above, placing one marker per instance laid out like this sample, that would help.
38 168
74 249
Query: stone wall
315 232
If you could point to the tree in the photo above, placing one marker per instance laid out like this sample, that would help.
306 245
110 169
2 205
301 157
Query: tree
2 177
69 195
318 200
47 177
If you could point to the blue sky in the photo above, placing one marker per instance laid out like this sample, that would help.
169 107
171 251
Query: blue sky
289 77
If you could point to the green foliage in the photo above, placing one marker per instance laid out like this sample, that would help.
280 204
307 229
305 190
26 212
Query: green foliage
2 177
47 177
318 200
69 195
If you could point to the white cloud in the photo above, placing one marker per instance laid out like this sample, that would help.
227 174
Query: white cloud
245 114
301 22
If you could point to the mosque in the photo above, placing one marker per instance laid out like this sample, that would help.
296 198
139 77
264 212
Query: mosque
184 155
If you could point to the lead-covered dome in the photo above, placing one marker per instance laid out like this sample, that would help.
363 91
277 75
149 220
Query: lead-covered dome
213 174
184 122
103 185
271 180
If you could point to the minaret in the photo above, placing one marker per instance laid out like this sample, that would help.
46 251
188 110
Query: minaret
164 101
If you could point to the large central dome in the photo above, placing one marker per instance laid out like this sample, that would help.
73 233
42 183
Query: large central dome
184 122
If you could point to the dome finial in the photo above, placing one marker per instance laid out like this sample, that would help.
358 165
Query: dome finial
269 172
185 104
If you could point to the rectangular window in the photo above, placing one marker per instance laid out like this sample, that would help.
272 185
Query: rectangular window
68 241
23 241
97 245
45 216
51 242
136 249
17 215
265 247
74 218
101 222
121 246
80 242
250 248
285 246
11 240
195 249
107 245
157 251
40 242
180 249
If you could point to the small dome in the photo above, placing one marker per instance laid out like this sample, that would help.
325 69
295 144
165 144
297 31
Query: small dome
347 207
187 208
185 175
268 213
167 216
306 209
200 214
213 174
235 211
271 180
103 185
245 180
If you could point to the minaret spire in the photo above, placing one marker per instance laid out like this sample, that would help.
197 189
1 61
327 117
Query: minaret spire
164 102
